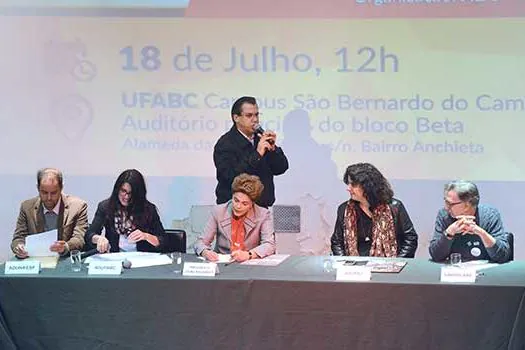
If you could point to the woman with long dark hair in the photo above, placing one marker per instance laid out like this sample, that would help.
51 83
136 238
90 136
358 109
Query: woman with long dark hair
131 222
372 222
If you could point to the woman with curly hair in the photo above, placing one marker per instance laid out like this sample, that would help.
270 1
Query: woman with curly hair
239 227
372 222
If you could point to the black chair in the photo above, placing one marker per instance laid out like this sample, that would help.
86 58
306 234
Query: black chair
510 239
176 240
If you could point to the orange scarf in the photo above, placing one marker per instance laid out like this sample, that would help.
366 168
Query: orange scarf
238 232
384 242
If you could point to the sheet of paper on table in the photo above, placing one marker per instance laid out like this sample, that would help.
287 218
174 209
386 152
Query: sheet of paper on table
387 266
137 259
271 260
377 265
478 265
224 258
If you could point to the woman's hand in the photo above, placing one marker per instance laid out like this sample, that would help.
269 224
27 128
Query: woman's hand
137 236
240 255
102 243
210 255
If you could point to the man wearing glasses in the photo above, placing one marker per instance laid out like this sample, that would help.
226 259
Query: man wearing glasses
243 149
466 227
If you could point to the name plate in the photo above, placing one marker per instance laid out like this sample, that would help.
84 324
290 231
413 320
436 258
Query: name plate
27 267
105 268
458 274
199 269
353 273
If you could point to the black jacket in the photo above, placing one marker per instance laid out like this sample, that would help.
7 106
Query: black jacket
234 154
405 233
104 219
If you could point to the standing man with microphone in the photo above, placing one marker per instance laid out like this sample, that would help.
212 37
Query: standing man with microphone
247 148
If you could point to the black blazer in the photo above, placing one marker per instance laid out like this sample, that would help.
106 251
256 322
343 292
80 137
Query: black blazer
104 219
405 233
234 154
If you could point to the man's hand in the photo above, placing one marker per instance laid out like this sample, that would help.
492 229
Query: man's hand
264 145
20 251
461 225
272 139
453 229
58 247
471 228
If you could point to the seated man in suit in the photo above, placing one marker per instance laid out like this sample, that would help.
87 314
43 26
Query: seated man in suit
464 226
51 210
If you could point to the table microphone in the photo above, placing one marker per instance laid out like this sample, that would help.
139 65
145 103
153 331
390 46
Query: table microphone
125 263
258 129
88 253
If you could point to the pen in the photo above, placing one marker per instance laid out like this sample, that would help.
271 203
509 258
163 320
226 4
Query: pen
230 262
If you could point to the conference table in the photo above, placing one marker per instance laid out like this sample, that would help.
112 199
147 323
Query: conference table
295 305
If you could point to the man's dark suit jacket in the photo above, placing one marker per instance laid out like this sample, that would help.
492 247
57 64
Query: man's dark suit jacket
234 154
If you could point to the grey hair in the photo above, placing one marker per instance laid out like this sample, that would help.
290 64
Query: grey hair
50 173
467 191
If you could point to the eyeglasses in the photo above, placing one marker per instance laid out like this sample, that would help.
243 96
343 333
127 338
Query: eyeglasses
124 192
251 115
451 204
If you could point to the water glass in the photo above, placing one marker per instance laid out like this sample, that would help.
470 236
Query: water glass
328 266
76 260
176 259
455 259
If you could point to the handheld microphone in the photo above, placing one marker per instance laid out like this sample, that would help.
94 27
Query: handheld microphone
258 129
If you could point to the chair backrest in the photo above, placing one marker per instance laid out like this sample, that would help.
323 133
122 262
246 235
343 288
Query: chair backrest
287 226
510 239
176 240
199 215
287 218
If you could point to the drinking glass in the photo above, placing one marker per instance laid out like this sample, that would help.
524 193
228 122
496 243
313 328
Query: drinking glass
455 259
176 259
76 260
328 266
